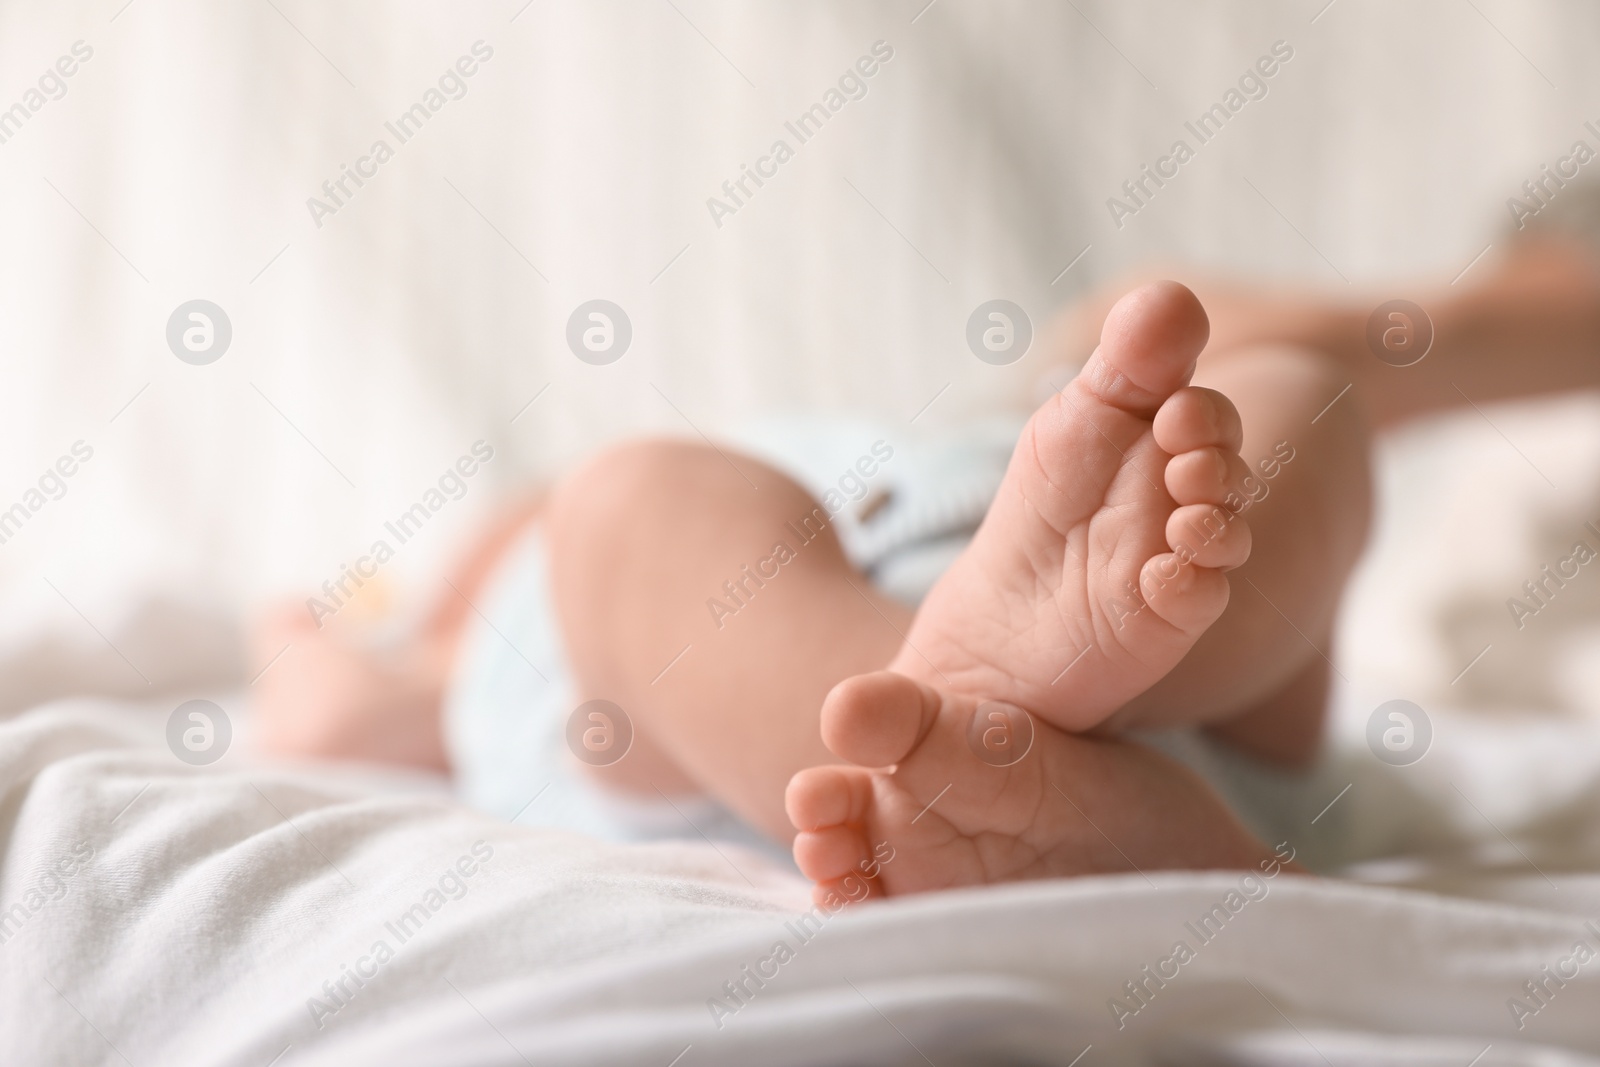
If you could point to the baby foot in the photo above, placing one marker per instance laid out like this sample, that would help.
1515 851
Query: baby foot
1100 561
323 693
936 814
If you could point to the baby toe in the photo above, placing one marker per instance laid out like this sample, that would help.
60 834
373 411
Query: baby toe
1149 343
1196 417
1209 535
1208 475
819 797
875 720
832 853
851 889
1187 596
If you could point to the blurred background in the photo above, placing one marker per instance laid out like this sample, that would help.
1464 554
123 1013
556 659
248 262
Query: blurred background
373 344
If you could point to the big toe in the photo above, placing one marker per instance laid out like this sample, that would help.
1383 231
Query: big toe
1148 347
877 719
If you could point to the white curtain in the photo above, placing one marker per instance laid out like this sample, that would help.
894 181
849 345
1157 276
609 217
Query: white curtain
369 352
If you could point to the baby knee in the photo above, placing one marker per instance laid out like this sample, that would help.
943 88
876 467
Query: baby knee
617 490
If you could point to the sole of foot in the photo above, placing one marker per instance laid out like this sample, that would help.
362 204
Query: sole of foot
948 792
1101 561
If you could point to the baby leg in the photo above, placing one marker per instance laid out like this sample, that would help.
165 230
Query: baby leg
706 595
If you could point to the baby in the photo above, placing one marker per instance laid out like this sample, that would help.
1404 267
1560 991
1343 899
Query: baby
1166 549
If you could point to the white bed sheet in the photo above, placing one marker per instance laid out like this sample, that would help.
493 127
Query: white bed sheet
214 904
